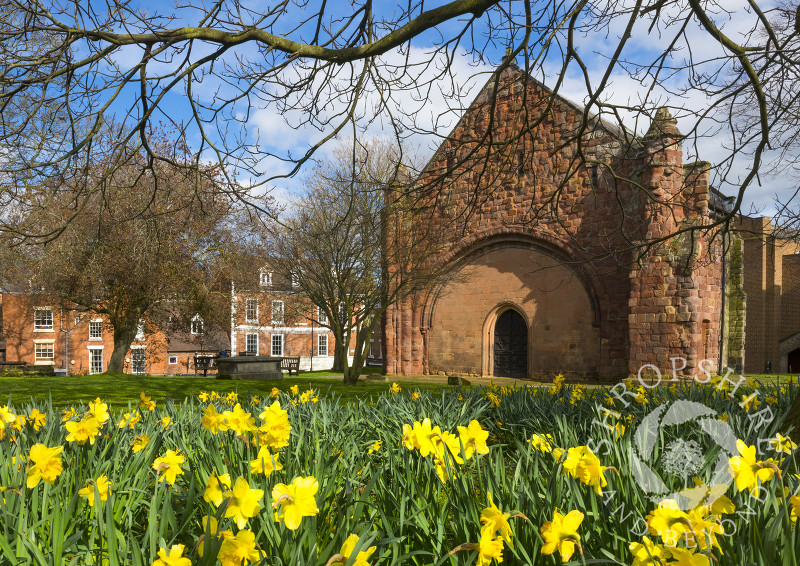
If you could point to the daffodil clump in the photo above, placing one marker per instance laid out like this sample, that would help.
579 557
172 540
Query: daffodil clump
534 476
444 447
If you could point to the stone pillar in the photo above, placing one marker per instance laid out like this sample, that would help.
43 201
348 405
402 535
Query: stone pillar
673 295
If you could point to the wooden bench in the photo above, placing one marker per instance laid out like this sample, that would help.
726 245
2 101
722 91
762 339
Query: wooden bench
291 364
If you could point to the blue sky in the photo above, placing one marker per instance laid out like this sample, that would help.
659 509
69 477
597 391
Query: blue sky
436 111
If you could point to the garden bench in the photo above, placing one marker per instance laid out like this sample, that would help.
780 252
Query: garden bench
291 364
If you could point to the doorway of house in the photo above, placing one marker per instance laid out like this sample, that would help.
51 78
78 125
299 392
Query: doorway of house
511 346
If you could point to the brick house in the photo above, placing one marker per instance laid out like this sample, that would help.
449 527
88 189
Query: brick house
73 340
551 285
270 318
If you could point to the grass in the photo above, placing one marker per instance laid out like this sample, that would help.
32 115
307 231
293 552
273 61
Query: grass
118 389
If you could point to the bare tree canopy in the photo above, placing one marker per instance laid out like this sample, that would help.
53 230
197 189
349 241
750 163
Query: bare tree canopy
152 247
261 87
352 249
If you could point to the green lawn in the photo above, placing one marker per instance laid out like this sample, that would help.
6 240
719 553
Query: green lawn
120 389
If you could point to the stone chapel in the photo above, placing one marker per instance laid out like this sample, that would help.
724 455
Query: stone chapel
573 246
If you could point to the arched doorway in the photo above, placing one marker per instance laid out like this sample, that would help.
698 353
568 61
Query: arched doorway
511 345
794 361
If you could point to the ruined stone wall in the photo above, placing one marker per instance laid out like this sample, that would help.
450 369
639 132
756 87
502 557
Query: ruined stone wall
735 306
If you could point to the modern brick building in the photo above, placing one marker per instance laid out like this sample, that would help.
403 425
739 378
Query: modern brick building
551 273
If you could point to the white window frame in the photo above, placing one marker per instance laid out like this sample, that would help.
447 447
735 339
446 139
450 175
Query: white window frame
173 360
276 353
322 318
265 278
280 320
92 350
197 319
92 322
251 306
139 331
320 339
38 326
295 280
38 361
247 339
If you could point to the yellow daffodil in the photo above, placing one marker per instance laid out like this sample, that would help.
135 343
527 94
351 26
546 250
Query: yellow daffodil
668 520
68 414
231 397
395 388
561 534
243 502
374 447
254 400
140 442
146 402
211 532
685 557
294 389
203 396
582 464
491 515
214 493
347 549
782 444
794 501
129 420
166 422
473 438
88 428
172 557
99 411
274 393
541 442
746 470
37 419
239 421
265 463
490 547
409 437
46 464
276 429
213 421
103 488
648 553
493 399
239 550
295 501
415 396
168 466
705 528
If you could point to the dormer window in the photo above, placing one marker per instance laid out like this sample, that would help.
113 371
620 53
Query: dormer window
140 330
265 278
197 325
295 280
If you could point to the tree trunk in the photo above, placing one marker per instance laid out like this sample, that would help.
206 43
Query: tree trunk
350 376
337 357
123 337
